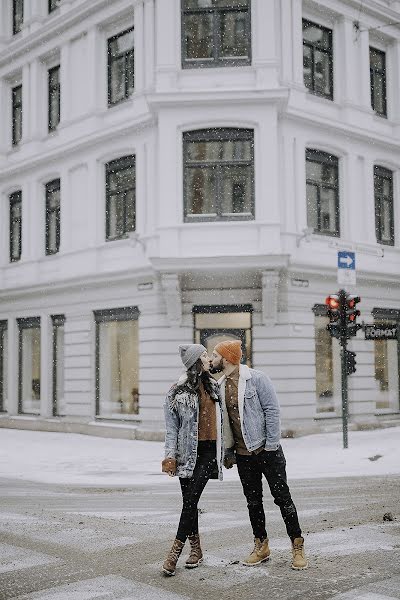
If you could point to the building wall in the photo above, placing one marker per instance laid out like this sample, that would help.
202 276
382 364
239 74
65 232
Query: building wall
265 262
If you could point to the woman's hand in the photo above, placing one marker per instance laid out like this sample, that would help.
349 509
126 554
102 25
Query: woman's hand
168 465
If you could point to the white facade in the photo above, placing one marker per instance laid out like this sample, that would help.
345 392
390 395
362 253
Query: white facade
170 265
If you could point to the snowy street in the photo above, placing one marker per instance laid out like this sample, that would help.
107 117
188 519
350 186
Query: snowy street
88 518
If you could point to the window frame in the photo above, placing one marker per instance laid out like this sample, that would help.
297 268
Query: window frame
14 199
57 321
17 27
110 60
120 164
382 315
313 47
382 73
3 330
109 315
16 105
227 134
24 323
50 187
311 155
54 95
383 174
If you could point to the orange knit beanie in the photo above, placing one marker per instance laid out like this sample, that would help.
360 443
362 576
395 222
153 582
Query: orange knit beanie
232 351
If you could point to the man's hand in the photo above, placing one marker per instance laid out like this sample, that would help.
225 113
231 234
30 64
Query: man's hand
168 465
229 461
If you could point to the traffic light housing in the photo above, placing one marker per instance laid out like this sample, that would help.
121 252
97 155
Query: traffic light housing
333 305
350 362
351 314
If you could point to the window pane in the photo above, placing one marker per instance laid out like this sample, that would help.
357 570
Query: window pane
122 44
312 206
117 79
235 190
30 370
18 15
130 211
130 74
118 368
328 216
201 191
316 35
387 373
322 70
377 59
203 151
236 150
307 67
379 95
241 320
116 216
3 367
327 367
198 30
233 34
58 366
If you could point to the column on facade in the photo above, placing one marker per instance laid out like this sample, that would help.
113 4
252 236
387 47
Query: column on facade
36 99
364 66
37 12
367 193
46 361
139 45
94 99
348 48
354 217
264 43
5 20
4 226
12 366
167 44
148 47
292 41
267 167
395 108
65 212
65 79
5 131
79 390
270 288
33 220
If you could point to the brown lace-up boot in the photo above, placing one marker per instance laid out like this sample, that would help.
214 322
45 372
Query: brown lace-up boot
299 561
196 555
260 553
169 565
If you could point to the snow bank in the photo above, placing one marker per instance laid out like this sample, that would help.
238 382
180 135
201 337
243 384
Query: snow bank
74 459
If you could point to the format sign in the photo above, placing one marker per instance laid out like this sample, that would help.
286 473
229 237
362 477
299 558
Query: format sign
381 332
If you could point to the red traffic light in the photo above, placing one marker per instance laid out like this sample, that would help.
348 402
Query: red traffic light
352 301
333 302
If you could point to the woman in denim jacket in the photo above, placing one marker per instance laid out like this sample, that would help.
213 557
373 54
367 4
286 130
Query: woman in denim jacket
193 445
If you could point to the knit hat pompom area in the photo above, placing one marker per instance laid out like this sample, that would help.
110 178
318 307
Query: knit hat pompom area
190 353
230 350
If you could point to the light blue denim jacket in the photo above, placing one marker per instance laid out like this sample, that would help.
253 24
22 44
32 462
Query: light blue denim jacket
181 429
258 409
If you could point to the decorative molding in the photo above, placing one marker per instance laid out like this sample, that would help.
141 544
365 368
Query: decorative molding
270 288
171 288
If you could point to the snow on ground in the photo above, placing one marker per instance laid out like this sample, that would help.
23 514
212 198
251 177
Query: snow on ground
74 459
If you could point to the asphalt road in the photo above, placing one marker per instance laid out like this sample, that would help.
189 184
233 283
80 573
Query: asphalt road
107 543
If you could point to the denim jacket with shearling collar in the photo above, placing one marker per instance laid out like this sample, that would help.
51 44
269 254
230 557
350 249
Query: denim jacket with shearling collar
181 411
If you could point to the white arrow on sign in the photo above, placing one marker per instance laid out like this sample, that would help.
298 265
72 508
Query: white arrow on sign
346 259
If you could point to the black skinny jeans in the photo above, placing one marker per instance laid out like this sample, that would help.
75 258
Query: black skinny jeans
192 488
272 464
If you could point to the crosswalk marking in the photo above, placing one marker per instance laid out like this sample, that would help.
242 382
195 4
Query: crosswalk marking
13 558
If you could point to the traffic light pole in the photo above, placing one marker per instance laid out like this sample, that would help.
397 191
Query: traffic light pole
345 397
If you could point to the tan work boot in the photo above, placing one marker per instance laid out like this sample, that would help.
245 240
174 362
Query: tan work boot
299 561
169 565
196 555
260 553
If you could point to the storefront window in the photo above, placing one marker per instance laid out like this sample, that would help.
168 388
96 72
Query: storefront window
58 365
3 365
29 366
387 373
117 362
327 366
215 324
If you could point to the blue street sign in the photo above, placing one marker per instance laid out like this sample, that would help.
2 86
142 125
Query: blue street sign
346 260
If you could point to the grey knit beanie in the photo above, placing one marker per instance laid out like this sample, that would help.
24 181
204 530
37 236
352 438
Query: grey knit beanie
190 353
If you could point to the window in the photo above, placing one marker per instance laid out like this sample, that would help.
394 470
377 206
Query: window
120 67
219 174
322 178
214 324
29 366
120 198
15 226
17 15
16 101
384 220
53 4
58 365
377 69
54 98
387 363
3 365
117 362
327 365
216 33
318 59
53 217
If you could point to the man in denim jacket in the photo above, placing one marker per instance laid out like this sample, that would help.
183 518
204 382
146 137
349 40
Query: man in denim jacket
251 438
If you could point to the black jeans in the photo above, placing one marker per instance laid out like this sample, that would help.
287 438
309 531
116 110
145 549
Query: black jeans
193 487
272 464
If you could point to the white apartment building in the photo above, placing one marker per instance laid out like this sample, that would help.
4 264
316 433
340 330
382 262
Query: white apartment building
187 170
